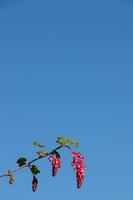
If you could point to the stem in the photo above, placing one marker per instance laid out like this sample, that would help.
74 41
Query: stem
34 160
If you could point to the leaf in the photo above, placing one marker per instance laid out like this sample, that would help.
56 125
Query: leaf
64 141
36 143
74 143
42 153
34 169
56 154
21 161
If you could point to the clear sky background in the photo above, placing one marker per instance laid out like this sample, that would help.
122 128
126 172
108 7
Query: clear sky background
66 68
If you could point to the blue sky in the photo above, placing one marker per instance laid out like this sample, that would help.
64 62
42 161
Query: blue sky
66 68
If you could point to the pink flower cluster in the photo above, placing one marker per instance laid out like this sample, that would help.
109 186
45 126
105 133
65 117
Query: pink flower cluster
56 163
34 183
79 167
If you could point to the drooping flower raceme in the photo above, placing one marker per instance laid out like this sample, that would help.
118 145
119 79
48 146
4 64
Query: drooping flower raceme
34 183
79 167
56 164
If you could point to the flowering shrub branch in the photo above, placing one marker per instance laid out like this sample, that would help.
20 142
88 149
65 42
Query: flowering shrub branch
54 158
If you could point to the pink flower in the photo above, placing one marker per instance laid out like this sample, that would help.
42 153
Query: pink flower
34 183
56 163
79 167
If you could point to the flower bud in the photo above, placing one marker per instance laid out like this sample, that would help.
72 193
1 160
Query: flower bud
34 183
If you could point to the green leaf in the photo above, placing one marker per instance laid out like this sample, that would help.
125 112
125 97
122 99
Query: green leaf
34 169
64 141
21 161
56 154
42 153
36 143
74 143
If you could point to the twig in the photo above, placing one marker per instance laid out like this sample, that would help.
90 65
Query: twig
32 161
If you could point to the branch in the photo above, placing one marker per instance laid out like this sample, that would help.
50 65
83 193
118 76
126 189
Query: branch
9 172
77 163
